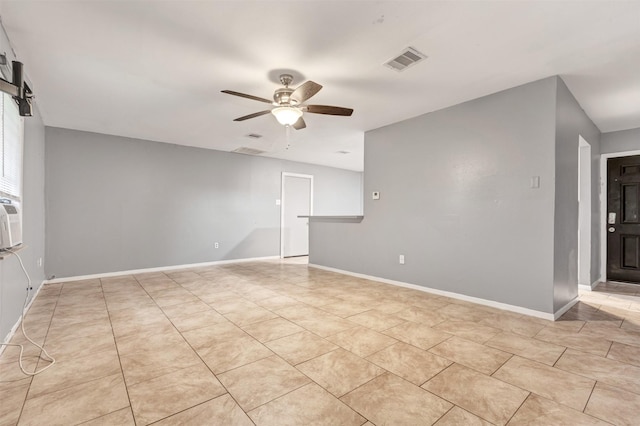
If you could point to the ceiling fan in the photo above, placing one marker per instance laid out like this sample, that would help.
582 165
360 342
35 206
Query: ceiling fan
289 103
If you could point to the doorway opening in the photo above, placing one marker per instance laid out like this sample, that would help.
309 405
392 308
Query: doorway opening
584 213
297 200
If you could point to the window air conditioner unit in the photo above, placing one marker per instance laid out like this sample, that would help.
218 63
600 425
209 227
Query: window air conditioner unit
10 226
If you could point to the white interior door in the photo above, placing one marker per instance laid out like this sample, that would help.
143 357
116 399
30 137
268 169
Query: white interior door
297 200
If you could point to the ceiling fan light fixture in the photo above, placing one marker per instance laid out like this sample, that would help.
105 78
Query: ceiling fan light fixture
287 115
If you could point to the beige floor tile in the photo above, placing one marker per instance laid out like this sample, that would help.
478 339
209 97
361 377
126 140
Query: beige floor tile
160 360
543 412
262 381
468 330
429 302
12 401
325 325
169 299
389 307
74 371
362 341
418 335
376 320
588 312
569 325
611 332
463 312
345 308
518 325
122 417
584 343
233 353
484 396
222 410
549 382
163 396
308 405
625 353
526 347
471 354
12 353
614 405
340 371
147 339
412 364
89 328
277 302
128 322
197 320
250 316
231 304
388 399
76 404
78 315
11 375
300 347
64 350
604 370
272 329
424 316
457 416
213 335
185 309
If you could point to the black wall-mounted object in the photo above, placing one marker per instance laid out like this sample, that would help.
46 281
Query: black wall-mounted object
19 90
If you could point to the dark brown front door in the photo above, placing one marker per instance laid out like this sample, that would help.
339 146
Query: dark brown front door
623 219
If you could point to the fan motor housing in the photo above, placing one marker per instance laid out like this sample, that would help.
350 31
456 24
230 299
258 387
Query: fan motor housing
283 96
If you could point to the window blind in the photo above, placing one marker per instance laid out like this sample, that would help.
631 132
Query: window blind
10 149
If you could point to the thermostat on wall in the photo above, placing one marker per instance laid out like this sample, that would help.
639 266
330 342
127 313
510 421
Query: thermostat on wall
375 195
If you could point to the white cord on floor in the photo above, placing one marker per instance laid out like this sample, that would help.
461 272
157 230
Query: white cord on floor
24 313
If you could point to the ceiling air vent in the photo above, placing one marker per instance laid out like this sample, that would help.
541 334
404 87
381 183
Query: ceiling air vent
407 58
248 151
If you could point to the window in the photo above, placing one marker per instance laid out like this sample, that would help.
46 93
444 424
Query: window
11 136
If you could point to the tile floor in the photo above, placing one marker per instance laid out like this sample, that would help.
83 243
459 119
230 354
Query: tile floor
280 343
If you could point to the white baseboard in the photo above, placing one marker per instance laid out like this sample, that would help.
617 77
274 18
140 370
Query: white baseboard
479 301
587 287
13 330
565 308
157 269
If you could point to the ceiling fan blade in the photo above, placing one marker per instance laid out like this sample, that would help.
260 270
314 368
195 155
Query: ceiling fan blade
254 115
305 91
300 124
329 110
244 95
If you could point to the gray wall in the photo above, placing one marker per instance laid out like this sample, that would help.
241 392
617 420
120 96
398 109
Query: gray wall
456 201
571 123
624 140
12 280
117 204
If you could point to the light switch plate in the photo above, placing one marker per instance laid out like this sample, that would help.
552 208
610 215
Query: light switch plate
375 195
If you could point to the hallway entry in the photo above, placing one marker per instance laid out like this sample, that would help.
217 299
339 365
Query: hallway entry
297 200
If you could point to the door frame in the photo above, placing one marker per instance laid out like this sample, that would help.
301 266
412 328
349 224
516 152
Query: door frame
604 196
283 203
585 209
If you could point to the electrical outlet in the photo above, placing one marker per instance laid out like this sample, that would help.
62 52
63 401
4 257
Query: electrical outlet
216 245
401 259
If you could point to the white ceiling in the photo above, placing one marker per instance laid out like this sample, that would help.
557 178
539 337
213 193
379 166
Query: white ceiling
154 70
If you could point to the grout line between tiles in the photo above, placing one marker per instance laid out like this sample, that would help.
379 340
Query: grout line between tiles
115 342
